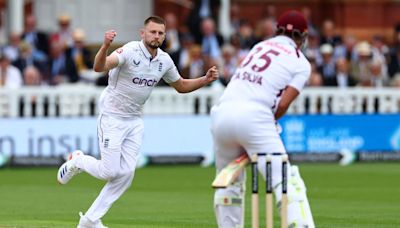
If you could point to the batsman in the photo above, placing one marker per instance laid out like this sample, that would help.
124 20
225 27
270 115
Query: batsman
261 90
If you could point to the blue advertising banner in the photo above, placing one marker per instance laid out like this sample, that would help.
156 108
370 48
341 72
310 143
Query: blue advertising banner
47 137
332 133
190 135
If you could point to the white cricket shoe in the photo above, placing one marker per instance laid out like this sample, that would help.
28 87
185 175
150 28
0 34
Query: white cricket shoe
68 169
86 223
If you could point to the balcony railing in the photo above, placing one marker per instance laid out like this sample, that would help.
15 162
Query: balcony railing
81 100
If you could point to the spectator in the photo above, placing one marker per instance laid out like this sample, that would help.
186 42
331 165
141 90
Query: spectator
235 42
79 52
172 37
346 50
235 17
343 78
81 56
62 67
394 61
229 64
394 56
32 76
377 79
395 82
11 50
380 52
265 29
184 56
397 34
202 10
10 76
306 11
313 48
327 69
271 13
38 40
245 35
315 79
329 35
360 66
64 33
196 66
211 41
26 58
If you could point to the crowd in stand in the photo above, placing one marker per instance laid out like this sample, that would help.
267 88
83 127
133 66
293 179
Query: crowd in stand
35 58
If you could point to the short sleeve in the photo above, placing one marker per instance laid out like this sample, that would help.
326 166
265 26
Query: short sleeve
122 54
172 75
301 76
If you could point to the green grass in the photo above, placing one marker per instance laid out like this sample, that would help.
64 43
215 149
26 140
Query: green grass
360 195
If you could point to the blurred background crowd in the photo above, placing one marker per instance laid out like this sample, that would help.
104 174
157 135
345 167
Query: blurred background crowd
44 58
36 58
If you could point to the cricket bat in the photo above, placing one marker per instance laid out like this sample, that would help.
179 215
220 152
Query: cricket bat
230 172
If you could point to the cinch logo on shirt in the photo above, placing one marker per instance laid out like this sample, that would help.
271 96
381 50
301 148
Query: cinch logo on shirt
144 82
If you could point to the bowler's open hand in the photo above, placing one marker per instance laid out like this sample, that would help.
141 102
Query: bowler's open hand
212 74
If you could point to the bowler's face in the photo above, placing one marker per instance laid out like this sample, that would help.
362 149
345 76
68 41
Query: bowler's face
153 34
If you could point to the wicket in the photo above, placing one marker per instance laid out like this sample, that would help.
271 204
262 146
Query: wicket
268 198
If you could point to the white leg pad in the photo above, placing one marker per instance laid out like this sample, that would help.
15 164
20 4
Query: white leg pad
299 211
229 206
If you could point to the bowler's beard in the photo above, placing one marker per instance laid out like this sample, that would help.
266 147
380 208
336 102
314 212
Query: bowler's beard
153 44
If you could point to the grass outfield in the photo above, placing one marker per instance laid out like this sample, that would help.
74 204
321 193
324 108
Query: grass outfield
360 195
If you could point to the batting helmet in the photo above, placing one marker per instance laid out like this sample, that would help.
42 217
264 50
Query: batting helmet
293 24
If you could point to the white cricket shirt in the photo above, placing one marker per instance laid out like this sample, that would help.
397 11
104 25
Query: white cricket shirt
130 84
270 66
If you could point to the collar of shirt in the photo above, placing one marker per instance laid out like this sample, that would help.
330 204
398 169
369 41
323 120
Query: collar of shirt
58 65
286 40
147 53
342 80
31 37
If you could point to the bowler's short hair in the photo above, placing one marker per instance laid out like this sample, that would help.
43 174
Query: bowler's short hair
155 19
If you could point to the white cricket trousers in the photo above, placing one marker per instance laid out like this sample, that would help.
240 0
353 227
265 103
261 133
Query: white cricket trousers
119 141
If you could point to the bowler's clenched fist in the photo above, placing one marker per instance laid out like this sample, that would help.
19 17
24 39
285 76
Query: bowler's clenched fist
109 37
212 74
